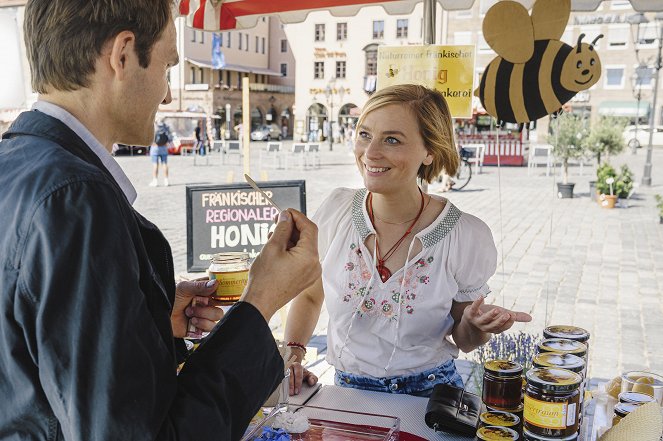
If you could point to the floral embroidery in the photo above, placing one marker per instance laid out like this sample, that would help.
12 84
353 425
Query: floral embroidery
409 309
387 309
395 296
368 305
347 298
349 266
420 263
424 280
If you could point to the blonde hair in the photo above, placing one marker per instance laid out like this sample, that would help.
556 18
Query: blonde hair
434 119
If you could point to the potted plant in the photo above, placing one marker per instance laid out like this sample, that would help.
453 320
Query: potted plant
612 185
605 138
659 205
568 142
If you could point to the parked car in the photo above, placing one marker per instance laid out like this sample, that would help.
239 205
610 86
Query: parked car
133 150
642 137
266 132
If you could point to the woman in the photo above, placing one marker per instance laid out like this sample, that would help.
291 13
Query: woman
402 270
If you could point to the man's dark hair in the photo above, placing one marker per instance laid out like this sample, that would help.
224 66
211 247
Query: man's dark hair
64 38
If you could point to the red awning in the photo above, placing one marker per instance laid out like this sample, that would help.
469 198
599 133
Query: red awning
214 15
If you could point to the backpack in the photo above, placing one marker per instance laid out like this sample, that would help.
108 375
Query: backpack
161 138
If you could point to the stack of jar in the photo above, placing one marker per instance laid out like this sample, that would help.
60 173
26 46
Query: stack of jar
502 396
555 386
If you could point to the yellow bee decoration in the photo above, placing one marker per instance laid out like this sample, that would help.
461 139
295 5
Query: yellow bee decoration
392 71
534 73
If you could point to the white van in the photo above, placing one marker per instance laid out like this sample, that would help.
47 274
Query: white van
641 138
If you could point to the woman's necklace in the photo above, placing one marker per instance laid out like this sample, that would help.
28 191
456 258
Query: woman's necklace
383 271
405 221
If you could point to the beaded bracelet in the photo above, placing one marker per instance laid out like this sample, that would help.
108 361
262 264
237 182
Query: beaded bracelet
297 345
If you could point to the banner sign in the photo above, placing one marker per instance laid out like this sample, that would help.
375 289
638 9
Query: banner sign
235 217
449 69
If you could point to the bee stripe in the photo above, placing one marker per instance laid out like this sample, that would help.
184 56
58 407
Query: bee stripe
502 92
545 83
563 94
517 99
488 84
534 104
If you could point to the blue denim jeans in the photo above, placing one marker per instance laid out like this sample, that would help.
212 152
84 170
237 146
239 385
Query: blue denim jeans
418 384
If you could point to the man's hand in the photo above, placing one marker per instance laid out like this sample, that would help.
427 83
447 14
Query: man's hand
203 312
491 318
287 264
298 375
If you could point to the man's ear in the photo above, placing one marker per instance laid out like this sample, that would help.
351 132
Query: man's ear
122 53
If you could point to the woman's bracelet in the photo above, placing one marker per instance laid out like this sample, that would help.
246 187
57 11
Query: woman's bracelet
294 344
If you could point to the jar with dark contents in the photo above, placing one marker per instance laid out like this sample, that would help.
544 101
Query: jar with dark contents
552 401
497 433
499 418
567 332
502 384
529 436
517 411
623 409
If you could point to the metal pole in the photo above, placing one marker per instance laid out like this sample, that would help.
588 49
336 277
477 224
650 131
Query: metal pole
646 176
331 116
429 38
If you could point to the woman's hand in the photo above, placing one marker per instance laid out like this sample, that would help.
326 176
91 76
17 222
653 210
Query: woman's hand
491 318
298 375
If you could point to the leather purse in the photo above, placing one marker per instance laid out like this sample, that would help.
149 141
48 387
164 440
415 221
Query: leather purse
451 409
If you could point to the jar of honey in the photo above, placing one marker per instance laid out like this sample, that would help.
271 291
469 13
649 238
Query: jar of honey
552 401
529 436
496 433
563 346
621 410
502 384
499 418
232 271
567 332
638 398
559 360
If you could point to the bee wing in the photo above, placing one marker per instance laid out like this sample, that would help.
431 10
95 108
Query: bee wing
549 18
508 30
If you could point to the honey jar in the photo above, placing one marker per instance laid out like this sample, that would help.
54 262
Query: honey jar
232 271
552 401
499 418
502 384
529 436
559 360
621 410
563 346
567 332
638 398
496 433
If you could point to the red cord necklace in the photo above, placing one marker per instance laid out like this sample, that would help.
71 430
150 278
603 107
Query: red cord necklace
383 271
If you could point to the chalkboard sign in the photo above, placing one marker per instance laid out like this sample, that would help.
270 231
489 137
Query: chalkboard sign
234 217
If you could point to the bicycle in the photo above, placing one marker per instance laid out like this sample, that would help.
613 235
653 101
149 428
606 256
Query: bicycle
464 172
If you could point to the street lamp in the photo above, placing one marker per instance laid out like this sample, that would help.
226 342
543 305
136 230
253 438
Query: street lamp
641 75
329 94
636 21
227 121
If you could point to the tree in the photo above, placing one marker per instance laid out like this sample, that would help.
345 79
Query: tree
568 140
605 137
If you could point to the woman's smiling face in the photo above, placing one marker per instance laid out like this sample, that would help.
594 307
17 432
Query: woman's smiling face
389 149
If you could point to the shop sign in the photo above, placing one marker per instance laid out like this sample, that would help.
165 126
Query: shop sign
449 69
581 20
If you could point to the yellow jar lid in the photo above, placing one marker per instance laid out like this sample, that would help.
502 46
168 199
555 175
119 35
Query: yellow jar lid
499 418
553 379
563 345
495 433
503 368
560 360
566 331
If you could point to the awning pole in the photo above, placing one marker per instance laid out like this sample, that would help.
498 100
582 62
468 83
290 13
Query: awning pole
429 38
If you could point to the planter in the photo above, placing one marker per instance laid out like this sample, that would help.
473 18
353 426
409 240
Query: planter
565 191
592 190
608 200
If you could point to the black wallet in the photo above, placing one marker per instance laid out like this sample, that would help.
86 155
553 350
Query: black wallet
451 409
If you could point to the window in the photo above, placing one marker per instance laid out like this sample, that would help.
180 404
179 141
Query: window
263 45
485 5
193 36
284 46
246 40
618 37
228 78
319 32
378 29
401 28
340 69
257 44
462 38
643 77
318 70
193 74
648 34
202 37
201 73
240 41
614 77
221 39
284 69
341 31
372 59
229 35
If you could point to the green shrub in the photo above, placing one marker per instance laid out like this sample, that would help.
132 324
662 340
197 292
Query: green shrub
623 180
605 137
659 204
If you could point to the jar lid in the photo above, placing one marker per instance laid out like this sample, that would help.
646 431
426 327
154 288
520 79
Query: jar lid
623 409
563 345
560 360
499 418
635 398
230 257
503 368
517 410
553 379
566 331
529 436
496 433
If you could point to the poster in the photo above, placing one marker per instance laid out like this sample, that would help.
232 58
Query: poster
449 69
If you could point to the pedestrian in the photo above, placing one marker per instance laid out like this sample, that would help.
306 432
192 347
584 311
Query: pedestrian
92 321
403 270
159 153
239 128
199 134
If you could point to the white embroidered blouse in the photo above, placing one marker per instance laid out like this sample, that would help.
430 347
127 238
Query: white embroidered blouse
402 326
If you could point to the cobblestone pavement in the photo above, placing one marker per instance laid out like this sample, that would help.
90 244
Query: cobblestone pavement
564 261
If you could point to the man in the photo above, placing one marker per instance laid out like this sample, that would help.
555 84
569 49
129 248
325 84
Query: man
89 304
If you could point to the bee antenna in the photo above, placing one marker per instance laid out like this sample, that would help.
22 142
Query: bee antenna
580 37
596 39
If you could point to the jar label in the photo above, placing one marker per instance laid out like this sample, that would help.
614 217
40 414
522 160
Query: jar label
548 415
231 283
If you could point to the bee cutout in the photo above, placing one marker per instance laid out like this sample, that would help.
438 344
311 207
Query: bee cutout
534 73
392 71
